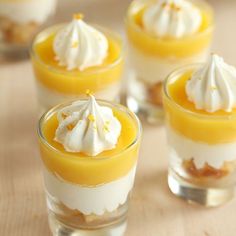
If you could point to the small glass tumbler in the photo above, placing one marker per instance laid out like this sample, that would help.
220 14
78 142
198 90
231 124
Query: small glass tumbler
88 195
55 84
19 22
153 58
202 146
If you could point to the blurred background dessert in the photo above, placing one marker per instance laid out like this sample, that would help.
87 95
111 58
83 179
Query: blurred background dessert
70 58
19 21
162 36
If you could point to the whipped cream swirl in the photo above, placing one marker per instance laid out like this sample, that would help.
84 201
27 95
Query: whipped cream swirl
87 127
80 46
213 87
172 18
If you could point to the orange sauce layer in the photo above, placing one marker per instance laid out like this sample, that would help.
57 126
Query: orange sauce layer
169 47
82 169
198 125
55 77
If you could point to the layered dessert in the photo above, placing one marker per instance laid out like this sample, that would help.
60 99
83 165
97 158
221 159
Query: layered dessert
70 58
200 104
20 20
89 151
164 35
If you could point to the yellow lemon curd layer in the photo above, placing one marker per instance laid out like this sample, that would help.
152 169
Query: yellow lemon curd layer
198 125
81 169
168 47
58 78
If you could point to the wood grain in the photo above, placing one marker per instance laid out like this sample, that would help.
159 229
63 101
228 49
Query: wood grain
154 211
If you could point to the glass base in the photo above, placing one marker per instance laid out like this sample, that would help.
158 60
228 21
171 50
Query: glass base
151 113
210 197
60 229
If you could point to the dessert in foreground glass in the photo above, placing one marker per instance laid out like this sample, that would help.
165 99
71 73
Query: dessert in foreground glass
70 58
163 35
89 151
19 21
200 105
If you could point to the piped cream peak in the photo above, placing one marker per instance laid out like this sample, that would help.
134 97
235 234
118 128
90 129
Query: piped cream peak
172 18
213 86
78 45
87 127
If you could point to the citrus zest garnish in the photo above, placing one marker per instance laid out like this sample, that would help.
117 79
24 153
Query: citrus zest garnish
70 127
213 88
164 4
78 16
88 92
64 116
172 5
91 117
177 8
106 128
75 44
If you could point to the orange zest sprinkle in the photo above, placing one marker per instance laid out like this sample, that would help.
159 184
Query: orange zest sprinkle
78 16
88 92
172 5
70 127
64 116
75 44
106 128
213 88
91 117
177 8
164 4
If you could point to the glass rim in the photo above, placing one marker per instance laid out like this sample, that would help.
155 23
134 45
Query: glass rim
74 156
170 40
181 108
96 69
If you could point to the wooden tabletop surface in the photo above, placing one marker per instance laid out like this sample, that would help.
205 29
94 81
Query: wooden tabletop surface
154 211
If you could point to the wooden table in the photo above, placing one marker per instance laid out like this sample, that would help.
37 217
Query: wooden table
154 211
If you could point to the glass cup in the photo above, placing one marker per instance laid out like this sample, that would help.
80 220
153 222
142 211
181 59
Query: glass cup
88 195
19 21
202 146
55 84
152 58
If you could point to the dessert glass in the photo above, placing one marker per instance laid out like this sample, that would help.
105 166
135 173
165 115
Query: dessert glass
55 84
153 58
202 145
86 194
19 21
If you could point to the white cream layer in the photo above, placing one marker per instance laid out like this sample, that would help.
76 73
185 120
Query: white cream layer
153 69
27 11
90 200
214 155
49 98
